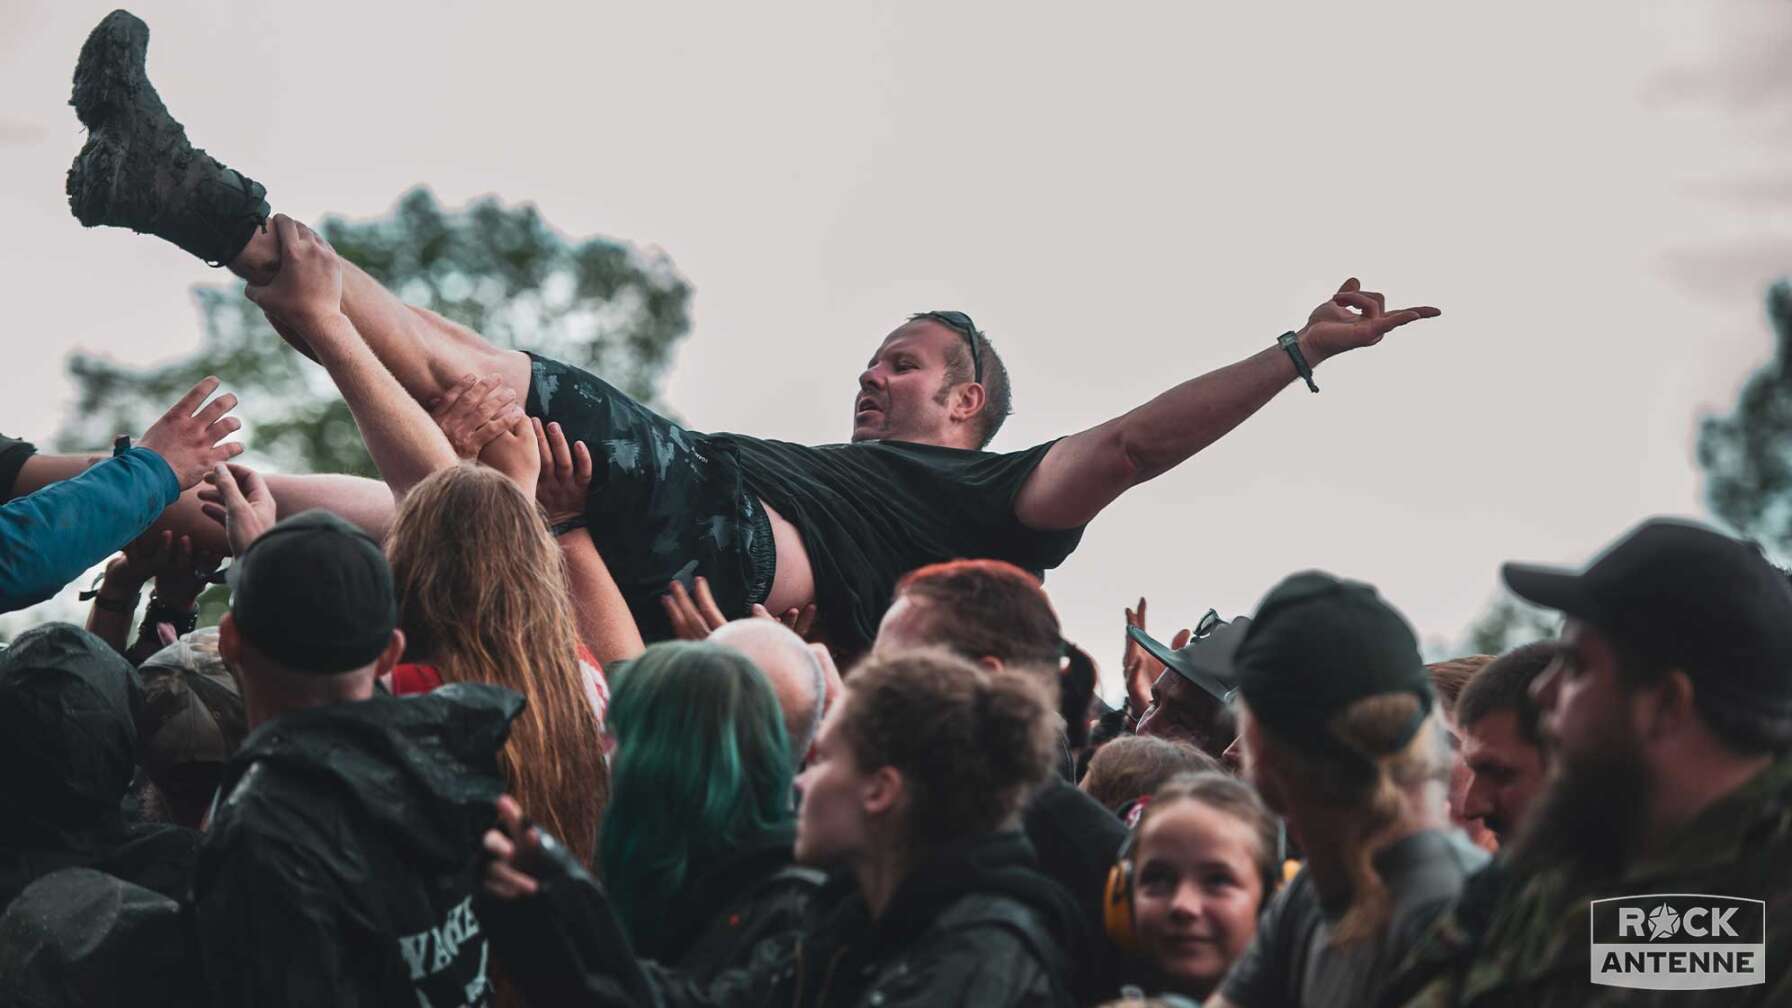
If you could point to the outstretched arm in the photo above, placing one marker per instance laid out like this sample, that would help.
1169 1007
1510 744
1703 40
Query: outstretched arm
1084 473
304 300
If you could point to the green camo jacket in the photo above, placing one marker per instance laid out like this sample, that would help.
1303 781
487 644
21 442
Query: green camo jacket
1526 943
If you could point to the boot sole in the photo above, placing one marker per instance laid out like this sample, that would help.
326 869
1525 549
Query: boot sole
110 75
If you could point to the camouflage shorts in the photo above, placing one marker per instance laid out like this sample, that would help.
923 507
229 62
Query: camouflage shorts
665 503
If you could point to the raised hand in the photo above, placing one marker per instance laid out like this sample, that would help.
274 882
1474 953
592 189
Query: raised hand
800 621
476 412
1137 667
239 499
1334 328
308 286
187 437
694 615
179 571
565 473
509 845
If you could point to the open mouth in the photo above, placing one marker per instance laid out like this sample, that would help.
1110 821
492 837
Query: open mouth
866 405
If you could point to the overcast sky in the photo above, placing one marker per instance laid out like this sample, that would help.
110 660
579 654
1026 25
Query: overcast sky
1123 195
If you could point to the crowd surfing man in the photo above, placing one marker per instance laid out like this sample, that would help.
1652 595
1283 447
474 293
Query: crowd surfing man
1669 707
765 521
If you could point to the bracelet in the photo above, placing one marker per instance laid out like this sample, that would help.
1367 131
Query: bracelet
184 620
1290 342
558 529
114 604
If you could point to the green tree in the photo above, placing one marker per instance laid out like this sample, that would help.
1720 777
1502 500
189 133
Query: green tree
1509 622
1747 454
611 307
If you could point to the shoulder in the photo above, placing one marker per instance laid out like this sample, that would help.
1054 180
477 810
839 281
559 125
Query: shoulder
983 950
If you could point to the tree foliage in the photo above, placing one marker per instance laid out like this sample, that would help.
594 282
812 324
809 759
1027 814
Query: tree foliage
1509 622
613 308
1747 454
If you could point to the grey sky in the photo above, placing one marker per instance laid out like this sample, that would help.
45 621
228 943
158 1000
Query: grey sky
1123 196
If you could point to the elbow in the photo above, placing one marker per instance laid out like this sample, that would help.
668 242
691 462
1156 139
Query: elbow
1133 460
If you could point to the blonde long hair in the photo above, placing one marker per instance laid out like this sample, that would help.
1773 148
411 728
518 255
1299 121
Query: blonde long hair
1374 788
483 596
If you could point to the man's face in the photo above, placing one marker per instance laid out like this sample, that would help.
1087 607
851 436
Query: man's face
1594 803
1180 710
903 395
1506 771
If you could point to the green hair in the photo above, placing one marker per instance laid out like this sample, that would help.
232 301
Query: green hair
702 764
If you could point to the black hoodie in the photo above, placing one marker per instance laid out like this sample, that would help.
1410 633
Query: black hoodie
751 896
68 744
975 926
343 854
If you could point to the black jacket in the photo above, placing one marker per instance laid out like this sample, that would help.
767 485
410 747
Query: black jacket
756 896
343 854
977 926
68 746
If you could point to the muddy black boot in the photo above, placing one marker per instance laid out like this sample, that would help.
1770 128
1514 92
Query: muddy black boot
137 169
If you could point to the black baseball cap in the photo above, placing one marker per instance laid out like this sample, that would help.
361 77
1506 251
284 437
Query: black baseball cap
314 593
1686 594
1206 660
1319 644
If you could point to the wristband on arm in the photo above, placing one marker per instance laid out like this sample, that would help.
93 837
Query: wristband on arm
1290 342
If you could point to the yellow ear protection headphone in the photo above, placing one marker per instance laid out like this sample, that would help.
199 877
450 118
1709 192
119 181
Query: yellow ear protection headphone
1117 895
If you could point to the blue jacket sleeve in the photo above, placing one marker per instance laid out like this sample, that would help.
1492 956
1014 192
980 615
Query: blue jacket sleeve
49 537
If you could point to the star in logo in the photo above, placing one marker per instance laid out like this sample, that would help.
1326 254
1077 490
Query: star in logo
1663 922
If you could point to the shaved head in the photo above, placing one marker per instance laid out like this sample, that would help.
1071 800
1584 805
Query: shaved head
796 674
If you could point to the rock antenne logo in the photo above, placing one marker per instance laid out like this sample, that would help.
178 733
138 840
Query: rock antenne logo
1678 941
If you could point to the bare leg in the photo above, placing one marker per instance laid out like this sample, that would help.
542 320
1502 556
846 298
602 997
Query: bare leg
365 503
424 351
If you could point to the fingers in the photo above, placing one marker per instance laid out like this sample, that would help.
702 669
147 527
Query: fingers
444 404
217 408
224 478
213 511
541 443
581 464
1394 320
761 612
251 484
686 623
510 815
286 234
562 454
805 621
1349 285
189 403
165 634
1180 641
706 605
1369 306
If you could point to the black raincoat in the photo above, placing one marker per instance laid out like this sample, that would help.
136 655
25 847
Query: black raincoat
68 743
973 926
78 938
754 897
343 854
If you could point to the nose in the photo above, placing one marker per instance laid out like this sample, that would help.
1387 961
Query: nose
1476 803
1187 904
870 378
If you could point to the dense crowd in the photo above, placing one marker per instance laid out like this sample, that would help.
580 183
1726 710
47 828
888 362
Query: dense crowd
574 706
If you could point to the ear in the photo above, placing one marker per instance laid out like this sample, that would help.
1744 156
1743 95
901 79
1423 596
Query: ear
389 657
967 401
1668 709
230 645
883 791
990 663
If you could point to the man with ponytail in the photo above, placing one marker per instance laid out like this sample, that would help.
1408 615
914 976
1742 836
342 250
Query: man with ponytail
1339 734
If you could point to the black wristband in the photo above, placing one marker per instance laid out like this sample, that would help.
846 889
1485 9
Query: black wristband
116 605
1290 342
184 620
559 529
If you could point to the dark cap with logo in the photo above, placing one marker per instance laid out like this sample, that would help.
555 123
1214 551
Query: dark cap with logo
1319 644
1688 595
314 593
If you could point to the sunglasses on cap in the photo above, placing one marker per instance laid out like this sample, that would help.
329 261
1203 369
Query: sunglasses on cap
961 324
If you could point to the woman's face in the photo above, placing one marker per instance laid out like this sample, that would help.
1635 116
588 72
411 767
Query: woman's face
831 819
1196 893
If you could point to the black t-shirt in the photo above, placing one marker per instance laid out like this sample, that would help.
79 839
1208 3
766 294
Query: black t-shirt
872 511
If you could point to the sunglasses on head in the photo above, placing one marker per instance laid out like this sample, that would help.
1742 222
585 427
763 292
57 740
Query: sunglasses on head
961 324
